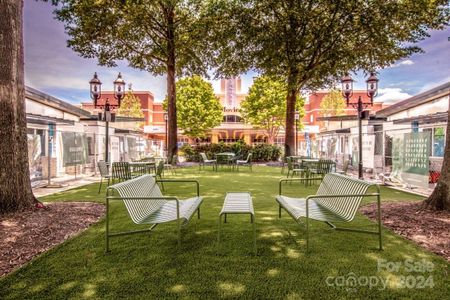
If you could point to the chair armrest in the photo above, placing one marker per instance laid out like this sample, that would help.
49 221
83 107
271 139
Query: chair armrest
183 181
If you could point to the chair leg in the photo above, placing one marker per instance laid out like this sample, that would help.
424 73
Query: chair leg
307 234
179 234
279 211
100 187
198 212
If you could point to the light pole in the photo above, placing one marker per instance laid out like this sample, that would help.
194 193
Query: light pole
166 118
347 92
297 117
106 116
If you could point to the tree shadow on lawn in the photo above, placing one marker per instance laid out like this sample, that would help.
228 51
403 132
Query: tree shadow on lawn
150 265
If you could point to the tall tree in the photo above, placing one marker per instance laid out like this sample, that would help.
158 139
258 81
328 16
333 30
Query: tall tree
198 108
15 186
312 43
161 37
440 198
265 106
131 107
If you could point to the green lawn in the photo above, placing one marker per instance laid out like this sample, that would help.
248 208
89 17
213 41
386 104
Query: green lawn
149 266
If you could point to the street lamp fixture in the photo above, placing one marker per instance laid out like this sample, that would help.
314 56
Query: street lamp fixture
360 106
96 93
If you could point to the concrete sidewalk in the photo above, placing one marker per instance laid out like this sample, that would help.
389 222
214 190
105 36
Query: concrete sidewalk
64 184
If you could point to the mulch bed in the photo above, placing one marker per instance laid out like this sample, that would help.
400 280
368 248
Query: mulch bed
23 235
430 229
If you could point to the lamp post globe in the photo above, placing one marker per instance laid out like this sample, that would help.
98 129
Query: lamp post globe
95 88
372 86
347 87
119 88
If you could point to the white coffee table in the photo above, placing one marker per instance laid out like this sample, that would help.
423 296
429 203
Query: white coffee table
238 203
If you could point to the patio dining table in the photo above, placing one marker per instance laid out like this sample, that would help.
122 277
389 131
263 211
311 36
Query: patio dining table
225 158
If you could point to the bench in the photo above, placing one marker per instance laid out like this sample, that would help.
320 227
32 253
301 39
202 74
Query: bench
238 203
337 200
146 204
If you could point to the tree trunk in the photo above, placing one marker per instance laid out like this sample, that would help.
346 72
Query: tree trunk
171 88
15 186
440 198
291 98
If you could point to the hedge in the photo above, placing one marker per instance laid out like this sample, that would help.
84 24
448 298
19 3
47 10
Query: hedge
261 152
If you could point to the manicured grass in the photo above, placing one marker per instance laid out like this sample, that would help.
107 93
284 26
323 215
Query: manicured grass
149 266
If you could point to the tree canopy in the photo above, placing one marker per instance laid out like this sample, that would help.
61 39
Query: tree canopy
199 109
333 104
311 43
265 105
161 37
131 107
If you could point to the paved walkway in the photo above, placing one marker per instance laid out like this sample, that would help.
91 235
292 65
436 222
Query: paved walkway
64 183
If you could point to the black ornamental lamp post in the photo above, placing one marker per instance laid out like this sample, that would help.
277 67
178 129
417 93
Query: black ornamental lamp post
360 106
107 116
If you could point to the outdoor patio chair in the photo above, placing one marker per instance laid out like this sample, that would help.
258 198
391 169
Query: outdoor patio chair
247 162
293 170
344 167
169 164
104 173
121 171
147 205
322 167
337 200
205 161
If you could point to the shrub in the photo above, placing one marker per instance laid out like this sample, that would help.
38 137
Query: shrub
261 152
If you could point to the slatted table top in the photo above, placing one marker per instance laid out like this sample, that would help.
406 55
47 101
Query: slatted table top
237 203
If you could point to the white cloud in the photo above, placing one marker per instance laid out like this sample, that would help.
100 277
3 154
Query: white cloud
407 62
391 95
434 84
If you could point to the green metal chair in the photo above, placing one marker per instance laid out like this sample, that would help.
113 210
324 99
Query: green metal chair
247 162
104 173
147 205
171 164
121 171
322 167
337 200
205 161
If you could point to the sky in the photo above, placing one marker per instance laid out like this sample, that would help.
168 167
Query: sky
53 68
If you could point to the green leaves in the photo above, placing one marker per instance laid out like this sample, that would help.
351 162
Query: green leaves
198 109
131 107
265 105
333 104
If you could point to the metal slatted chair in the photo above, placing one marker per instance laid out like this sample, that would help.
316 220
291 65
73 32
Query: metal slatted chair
247 162
205 161
121 171
146 204
104 173
324 166
337 200
169 165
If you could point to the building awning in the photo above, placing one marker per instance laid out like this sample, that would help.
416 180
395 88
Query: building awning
440 117
46 120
